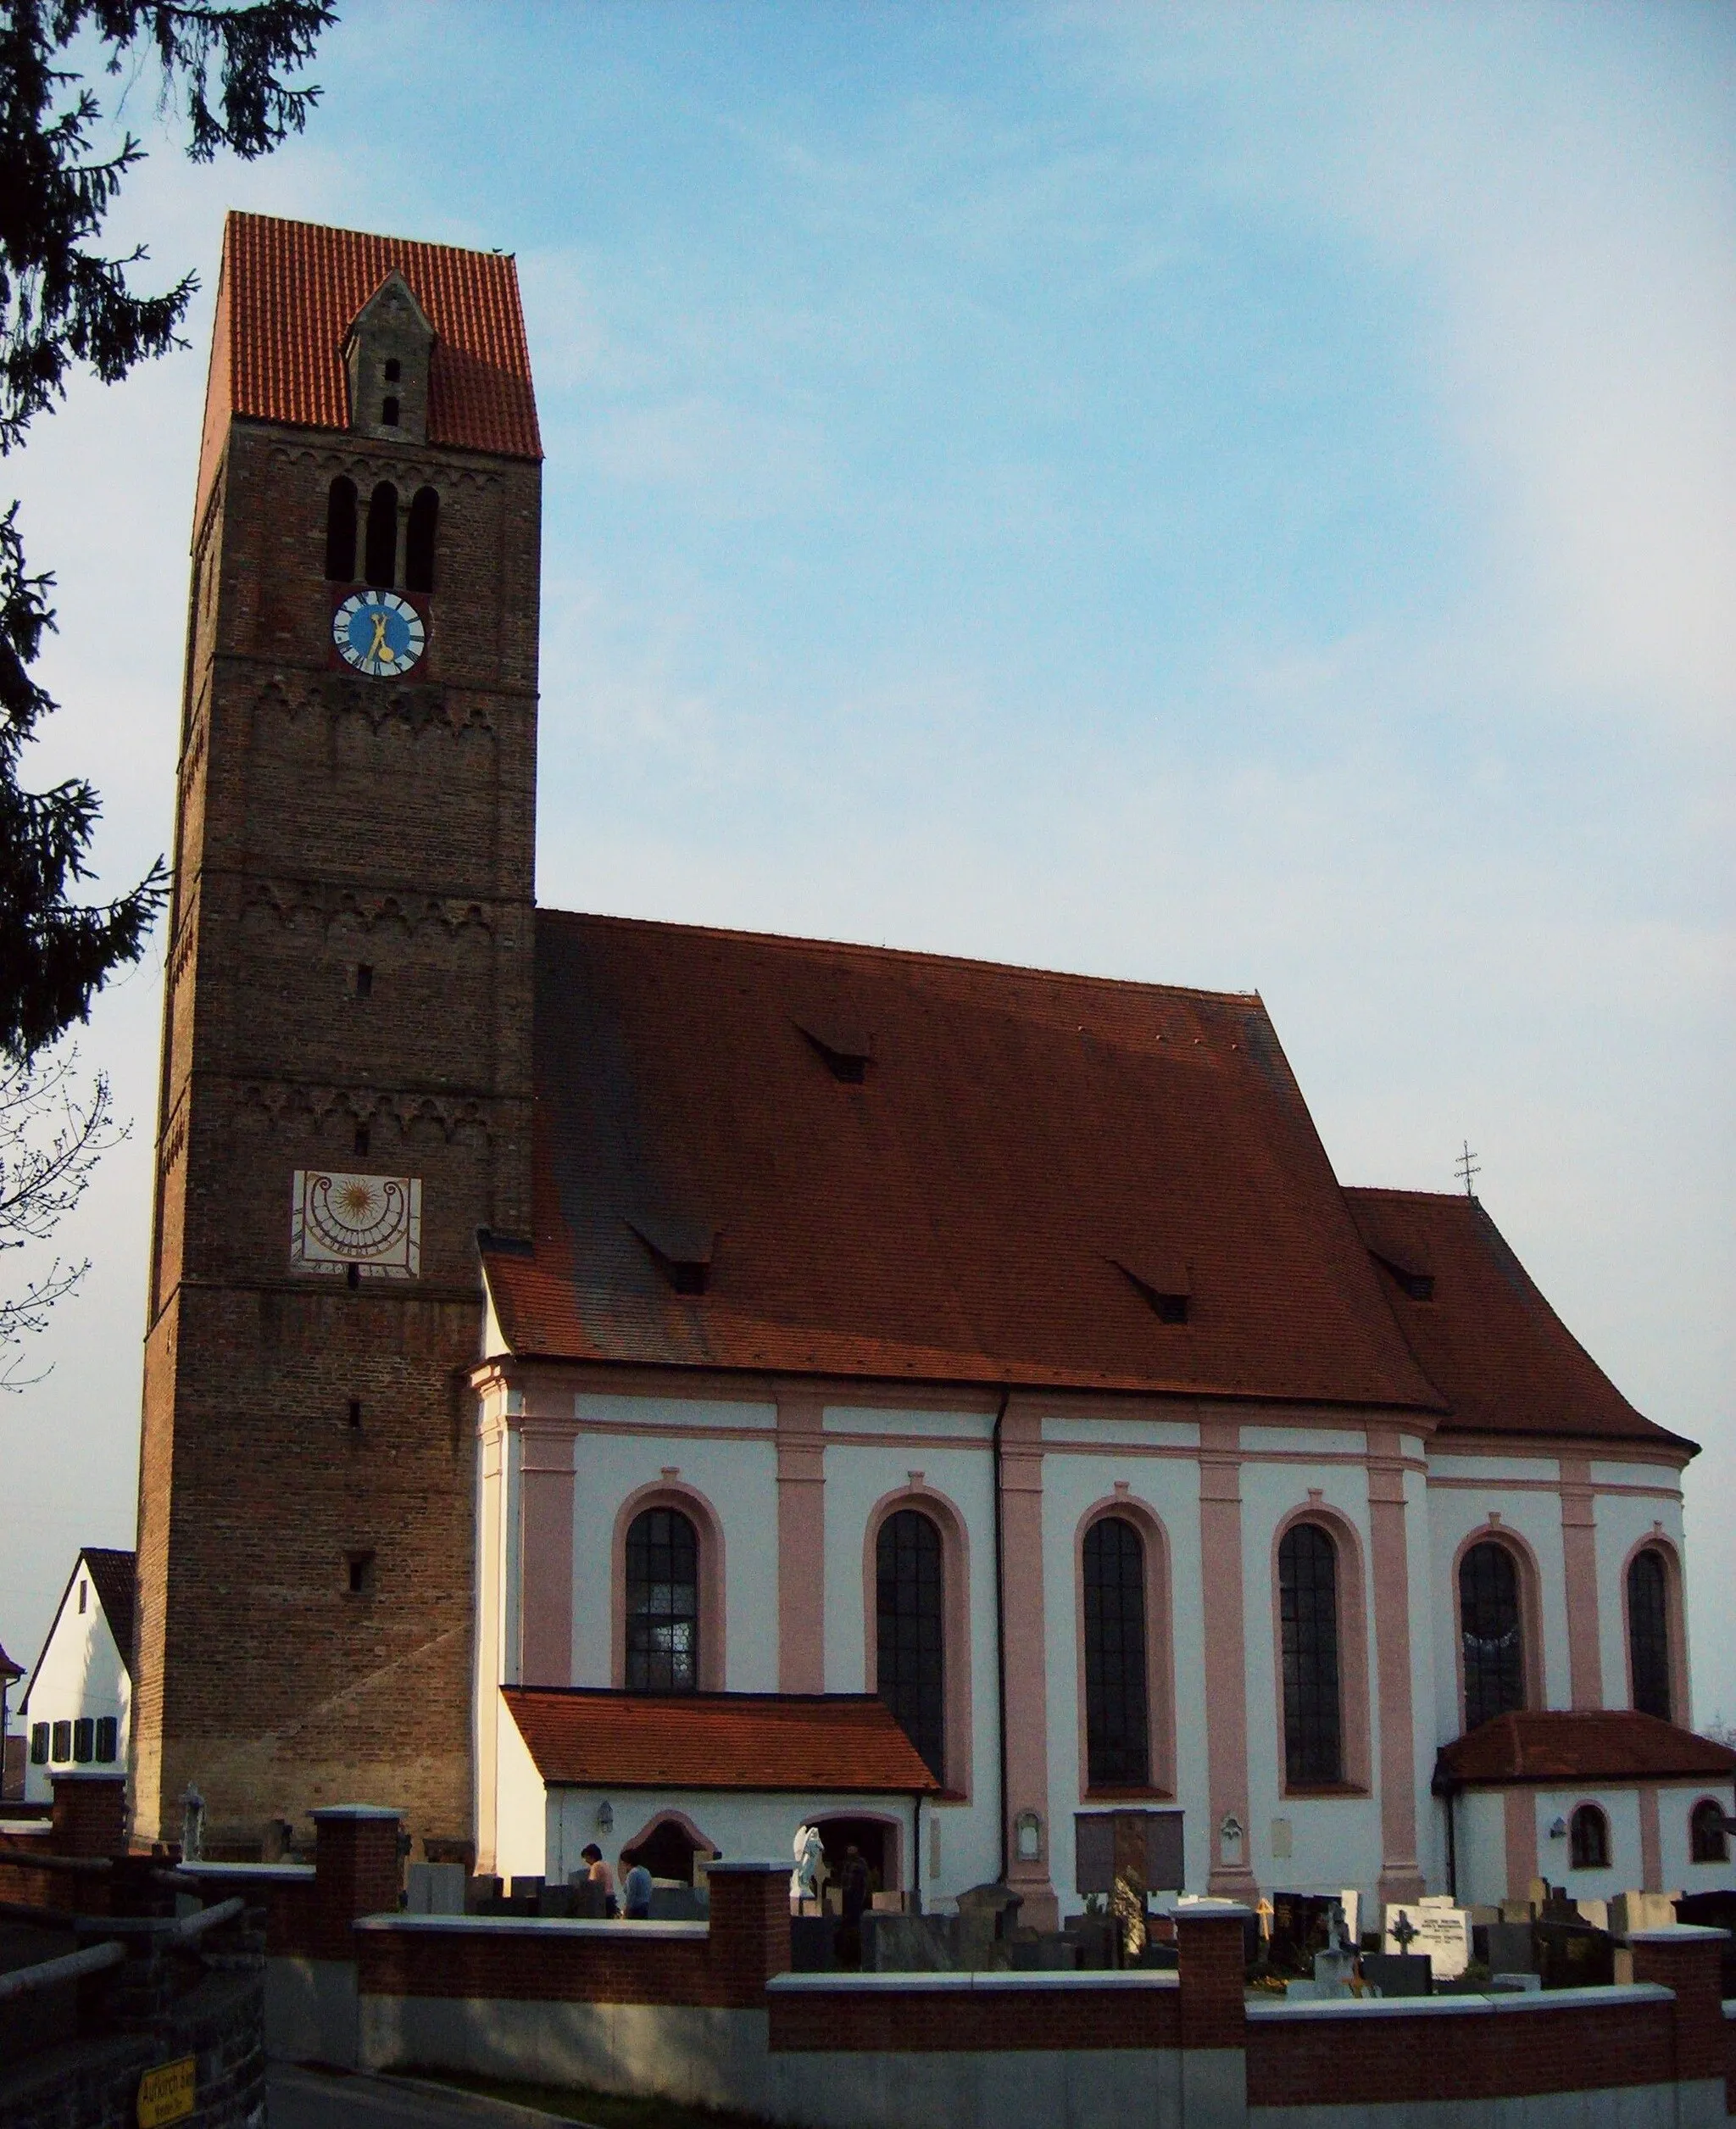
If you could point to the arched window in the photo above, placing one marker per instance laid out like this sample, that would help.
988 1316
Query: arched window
419 541
1648 1633
1588 1839
1117 1724
662 1603
1707 1841
1308 1609
909 1637
382 558
1492 1633
340 531
388 413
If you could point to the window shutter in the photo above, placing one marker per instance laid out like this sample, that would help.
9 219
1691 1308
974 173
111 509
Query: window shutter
84 1740
108 1739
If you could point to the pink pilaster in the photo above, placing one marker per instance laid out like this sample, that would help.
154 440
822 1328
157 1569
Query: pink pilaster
1400 1876
1027 1670
1519 1813
546 1553
1226 1652
801 1547
1585 1668
1651 1844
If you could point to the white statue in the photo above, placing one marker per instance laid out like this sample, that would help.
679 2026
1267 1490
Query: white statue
810 1861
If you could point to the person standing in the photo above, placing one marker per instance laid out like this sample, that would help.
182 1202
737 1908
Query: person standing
854 1888
601 1874
635 1893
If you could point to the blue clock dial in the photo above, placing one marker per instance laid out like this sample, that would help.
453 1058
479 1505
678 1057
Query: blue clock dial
379 633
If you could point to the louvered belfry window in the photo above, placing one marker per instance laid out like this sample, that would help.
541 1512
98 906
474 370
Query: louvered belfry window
1308 1607
1648 1634
1491 1634
910 1632
662 1603
1117 1729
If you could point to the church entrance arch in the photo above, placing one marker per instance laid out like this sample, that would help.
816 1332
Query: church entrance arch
667 1848
876 1840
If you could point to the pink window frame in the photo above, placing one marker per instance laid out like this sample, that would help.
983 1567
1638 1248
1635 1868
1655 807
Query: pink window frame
1353 1653
714 1666
1160 1647
955 1617
1705 1803
1656 1541
1530 1613
1592 1803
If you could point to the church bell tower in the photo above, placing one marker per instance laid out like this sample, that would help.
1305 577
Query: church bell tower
346 1069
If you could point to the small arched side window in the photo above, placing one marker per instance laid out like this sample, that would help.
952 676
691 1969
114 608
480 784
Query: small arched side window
1492 1633
1707 1841
381 561
1308 1607
393 369
388 412
1648 1633
910 1631
1588 1839
662 1603
340 531
1117 1722
419 541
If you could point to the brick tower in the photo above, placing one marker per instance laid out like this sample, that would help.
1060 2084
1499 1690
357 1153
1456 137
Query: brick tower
345 1074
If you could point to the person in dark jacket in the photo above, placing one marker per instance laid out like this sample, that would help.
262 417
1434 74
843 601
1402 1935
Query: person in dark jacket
854 1889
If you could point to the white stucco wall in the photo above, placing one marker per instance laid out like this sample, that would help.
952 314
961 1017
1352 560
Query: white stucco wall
745 1825
702 1440
81 1675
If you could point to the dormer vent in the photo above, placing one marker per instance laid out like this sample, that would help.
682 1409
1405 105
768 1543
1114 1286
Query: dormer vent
680 1249
1413 1277
388 353
1163 1283
844 1047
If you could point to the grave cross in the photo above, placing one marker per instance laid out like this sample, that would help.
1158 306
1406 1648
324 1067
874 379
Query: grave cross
1403 1931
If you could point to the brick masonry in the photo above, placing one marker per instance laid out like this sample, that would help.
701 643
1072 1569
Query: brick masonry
326 819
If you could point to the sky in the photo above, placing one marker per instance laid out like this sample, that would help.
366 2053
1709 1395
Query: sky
1242 498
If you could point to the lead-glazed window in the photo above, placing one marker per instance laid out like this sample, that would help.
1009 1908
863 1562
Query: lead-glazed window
1491 1632
1648 1633
662 1603
1117 1719
910 1631
1308 1608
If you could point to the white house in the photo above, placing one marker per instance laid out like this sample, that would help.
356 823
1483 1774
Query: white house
1001 1344
77 1709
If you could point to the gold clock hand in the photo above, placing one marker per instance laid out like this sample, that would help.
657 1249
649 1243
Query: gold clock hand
379 648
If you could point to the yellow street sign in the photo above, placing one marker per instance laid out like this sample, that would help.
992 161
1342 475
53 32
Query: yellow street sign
166 2093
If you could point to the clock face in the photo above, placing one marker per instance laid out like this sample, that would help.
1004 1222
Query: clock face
379 633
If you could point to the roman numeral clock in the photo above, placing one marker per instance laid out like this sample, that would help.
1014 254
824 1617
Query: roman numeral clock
380 634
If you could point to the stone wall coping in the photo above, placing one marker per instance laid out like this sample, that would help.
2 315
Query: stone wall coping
871 1984
87 1773
26 1829
620 1931
283 1873
746 1869
356 1811
1535 1999
1677 1933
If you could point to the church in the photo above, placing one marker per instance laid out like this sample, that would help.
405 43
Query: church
653 1386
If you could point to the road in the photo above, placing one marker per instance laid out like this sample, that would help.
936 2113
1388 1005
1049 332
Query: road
318 2099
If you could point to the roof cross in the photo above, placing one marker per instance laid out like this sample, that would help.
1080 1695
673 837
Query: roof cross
1466 1168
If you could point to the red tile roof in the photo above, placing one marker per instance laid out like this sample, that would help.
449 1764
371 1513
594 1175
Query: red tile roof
1504 1361
1615 1744
962 1215
594 1739
286 294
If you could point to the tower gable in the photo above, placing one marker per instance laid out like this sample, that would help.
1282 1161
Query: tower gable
387 354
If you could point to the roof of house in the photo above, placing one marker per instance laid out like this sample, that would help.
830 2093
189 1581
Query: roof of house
1482 1333
584 1738
114 1576
1611 1744
1030 1163
287 293
9 1669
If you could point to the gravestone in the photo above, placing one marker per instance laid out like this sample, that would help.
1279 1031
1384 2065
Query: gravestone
434 1888
1442 1932
1396 1974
